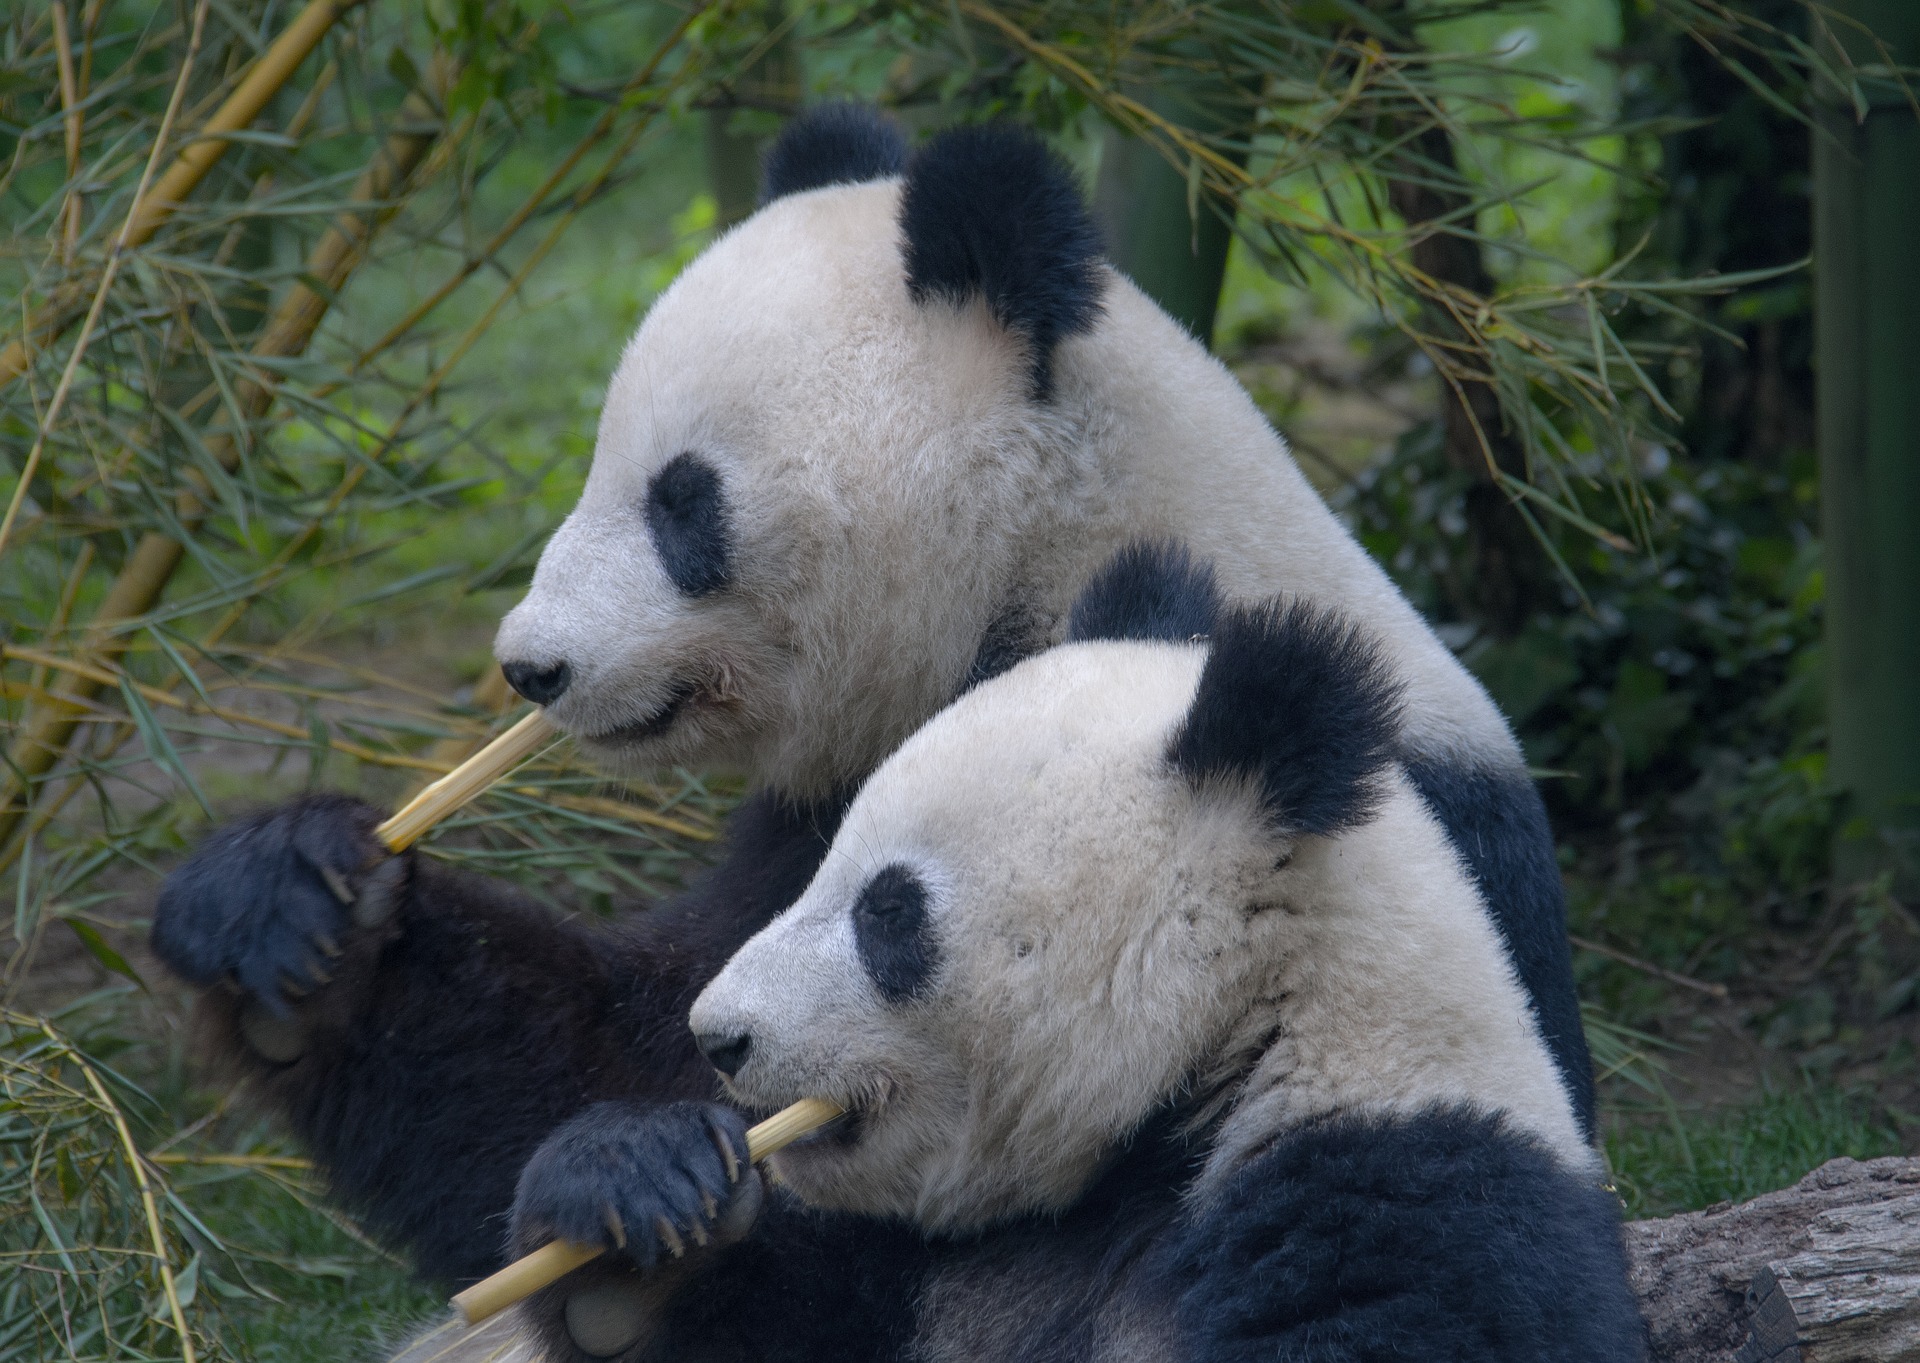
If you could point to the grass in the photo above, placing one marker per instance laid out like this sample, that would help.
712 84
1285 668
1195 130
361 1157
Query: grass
1664 1164
320 1292
264 1268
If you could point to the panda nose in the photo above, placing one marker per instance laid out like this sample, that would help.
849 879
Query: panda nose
725 1053
541 685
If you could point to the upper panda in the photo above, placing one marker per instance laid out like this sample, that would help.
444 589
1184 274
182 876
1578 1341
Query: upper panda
1169 1026
861 455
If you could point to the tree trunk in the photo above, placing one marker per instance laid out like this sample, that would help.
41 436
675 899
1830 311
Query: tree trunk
1827 1271
1867 347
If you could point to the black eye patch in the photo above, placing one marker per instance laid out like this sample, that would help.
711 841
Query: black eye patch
894 934
687 517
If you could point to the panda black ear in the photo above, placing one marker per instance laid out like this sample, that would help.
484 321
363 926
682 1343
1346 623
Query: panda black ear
1302 704
832 144
989 210
1151 589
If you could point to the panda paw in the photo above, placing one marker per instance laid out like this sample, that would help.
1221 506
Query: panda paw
651 1180
267 902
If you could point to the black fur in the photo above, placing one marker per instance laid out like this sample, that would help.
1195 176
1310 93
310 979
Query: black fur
1498 825
894 934
1439 1238
470 1024
208 925
1300 702
1151 589
613 1174
990 211
1017 632
687 516
804 1286
832 144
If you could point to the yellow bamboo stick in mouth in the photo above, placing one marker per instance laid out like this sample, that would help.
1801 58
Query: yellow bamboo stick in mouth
557 1258
440 799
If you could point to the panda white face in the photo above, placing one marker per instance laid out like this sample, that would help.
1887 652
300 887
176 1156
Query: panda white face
791 452
1128 874
1029 928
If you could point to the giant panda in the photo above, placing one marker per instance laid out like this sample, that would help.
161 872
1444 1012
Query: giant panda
1169 1025
860 456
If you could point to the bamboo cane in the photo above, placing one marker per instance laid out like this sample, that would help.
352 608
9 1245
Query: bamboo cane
275 67
441 798
554 1260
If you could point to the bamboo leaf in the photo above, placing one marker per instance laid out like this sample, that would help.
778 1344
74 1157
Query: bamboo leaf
101 951
159 746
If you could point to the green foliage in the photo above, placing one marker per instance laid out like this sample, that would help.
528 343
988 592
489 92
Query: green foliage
1696 1160
1678 689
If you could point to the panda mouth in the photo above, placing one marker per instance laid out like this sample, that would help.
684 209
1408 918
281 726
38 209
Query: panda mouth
654 725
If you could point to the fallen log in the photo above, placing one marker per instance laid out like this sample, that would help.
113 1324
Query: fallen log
1827 1271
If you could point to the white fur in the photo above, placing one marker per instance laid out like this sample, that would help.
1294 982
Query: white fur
1111 938
893 489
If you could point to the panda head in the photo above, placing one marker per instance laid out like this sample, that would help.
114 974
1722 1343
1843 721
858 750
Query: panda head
1049 912
816 460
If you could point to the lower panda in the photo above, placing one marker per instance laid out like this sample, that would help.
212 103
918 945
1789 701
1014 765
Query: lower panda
1168 1023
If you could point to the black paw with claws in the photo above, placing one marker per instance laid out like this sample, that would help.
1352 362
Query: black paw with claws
267 902
652 1180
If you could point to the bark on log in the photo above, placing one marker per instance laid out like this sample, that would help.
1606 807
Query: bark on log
1827 1271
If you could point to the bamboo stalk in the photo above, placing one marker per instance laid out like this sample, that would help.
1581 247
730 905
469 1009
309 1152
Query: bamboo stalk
465 781
43 733
275 67
70 112
554 1260
490 693
155 1234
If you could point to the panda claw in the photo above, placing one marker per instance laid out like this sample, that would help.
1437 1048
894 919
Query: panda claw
731 1160
670 1237
615 1227
337 883
707 1203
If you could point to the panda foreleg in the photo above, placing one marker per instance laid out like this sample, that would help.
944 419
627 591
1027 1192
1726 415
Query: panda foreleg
700 1259
423 1029
448 1041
